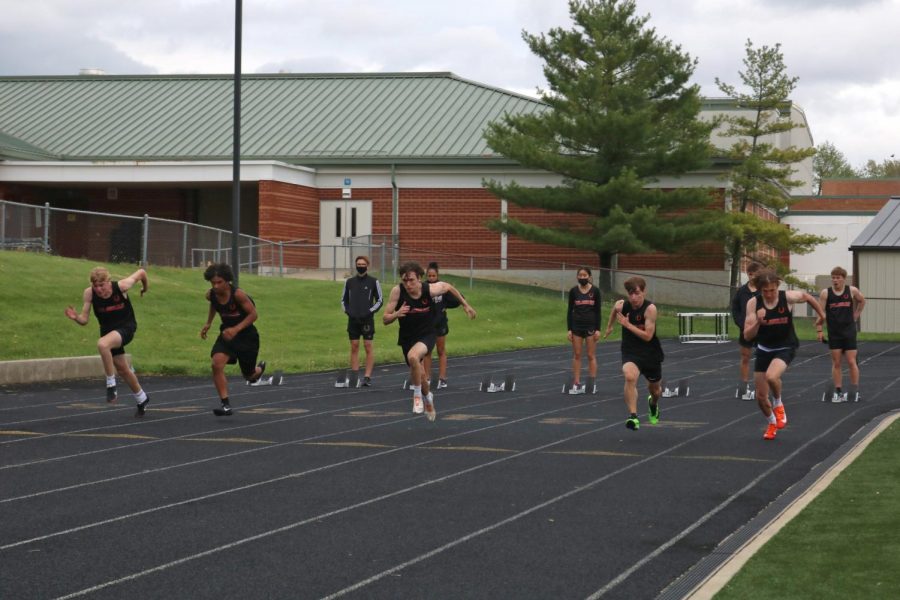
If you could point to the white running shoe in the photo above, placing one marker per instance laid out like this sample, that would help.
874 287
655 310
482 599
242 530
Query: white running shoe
418 407
430 413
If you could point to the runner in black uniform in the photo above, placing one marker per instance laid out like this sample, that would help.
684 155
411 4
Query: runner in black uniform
117 327
238 340
738 314
843 305
412 303
441 328
642 354
583 321
361 300
770 322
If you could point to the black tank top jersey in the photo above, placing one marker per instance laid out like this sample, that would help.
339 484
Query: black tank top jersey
776 330
419 321
440 310
584 309
839 310
113 312
230 312
634 346
739 304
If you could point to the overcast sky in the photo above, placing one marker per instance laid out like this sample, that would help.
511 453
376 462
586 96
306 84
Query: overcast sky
843 51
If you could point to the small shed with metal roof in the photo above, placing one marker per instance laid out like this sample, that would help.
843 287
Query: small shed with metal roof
876 264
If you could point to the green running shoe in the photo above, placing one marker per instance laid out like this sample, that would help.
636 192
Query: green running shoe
633 423
653 410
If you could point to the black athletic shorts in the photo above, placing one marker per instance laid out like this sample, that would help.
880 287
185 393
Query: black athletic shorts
650 369
442 328
361 328
745 343
127 333
242 349
842 340
584 333
429 341
764 358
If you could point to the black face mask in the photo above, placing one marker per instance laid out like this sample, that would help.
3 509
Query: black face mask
361 270
583 281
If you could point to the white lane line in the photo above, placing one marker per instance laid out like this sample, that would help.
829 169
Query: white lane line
282 477
363 583
319 517
684 533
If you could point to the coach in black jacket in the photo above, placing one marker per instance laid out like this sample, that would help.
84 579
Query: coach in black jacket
361 300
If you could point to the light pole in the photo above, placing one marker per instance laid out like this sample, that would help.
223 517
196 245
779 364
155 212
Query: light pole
236 150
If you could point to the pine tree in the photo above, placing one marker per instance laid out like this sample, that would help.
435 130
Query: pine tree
620 114
762 175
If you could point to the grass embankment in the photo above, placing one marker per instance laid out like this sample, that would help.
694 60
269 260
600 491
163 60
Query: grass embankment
844 544
301 324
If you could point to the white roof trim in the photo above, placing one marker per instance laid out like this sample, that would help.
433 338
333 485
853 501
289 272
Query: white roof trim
121 172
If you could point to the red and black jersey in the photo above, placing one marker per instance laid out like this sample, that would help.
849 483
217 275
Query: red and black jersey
230 311
419 321
114 312
634 346
839 311
584 309
776 329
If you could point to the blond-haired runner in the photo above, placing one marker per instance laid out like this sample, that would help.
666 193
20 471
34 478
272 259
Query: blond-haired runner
114 312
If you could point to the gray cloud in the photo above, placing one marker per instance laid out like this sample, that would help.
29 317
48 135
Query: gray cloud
63 54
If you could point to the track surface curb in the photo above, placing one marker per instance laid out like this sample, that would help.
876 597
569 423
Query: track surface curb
42 370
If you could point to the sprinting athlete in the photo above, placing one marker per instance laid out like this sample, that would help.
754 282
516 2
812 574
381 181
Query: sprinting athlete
412 304
770 322
114 312
238 340
843 305
583 320
642 354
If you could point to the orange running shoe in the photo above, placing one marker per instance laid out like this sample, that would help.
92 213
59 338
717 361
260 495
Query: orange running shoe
770 432
780 416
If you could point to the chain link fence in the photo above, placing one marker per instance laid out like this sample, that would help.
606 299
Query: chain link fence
148 240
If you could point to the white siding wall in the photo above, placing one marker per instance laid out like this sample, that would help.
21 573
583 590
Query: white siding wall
844 228
879 277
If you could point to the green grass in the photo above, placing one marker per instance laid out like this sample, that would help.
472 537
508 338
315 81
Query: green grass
301 324
302 328
844 544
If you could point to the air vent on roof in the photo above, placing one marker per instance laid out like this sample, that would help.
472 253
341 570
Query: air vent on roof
92 71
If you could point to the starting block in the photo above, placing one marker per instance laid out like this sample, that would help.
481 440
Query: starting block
507 385
745 390
683 389
851 394
588 387
276 378
348 379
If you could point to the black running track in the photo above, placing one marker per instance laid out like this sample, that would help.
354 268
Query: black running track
314 492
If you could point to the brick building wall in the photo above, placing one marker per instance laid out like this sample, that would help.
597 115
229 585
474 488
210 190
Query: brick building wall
889 186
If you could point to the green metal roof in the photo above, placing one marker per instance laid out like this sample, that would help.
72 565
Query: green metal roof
15 148
295 118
